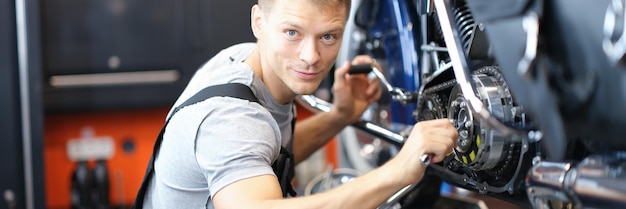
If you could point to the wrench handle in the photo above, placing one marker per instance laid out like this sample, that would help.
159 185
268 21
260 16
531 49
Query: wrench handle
360 69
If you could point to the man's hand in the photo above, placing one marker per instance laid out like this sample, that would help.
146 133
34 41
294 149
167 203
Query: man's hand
434 137
354 93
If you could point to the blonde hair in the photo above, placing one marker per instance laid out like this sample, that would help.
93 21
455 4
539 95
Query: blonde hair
267 5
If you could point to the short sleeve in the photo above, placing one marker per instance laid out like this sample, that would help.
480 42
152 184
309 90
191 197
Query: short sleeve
237 140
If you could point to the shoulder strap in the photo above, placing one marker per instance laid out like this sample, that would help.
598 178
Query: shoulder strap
236 90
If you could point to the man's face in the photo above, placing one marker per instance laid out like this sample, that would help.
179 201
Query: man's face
299 44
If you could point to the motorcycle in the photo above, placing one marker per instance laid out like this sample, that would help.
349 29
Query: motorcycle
534 87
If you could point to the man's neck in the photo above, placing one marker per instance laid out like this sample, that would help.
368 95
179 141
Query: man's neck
275 87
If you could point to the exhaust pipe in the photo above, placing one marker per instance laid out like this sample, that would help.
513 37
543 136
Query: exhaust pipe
596 182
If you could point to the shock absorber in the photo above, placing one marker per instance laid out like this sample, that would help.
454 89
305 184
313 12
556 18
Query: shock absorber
465 23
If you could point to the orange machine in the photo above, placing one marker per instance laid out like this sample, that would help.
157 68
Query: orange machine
133 132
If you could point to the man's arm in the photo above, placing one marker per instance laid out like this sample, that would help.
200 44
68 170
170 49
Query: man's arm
352 95
367 191
314 132
435 137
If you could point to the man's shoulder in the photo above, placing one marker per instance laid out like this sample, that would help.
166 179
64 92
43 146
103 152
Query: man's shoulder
228 58
221 69
237 52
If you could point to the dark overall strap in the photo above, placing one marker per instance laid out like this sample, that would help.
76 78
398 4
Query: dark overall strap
236 90
284 166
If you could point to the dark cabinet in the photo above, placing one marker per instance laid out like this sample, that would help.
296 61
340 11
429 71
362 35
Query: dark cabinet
21 152
104 54
75 41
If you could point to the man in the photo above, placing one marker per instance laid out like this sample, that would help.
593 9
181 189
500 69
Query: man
218 153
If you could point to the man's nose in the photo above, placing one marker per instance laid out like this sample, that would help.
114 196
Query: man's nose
309 51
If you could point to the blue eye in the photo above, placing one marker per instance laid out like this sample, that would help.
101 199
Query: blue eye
291 33
328 37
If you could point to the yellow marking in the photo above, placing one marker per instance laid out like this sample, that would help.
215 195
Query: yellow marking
464 159
472 155
478 141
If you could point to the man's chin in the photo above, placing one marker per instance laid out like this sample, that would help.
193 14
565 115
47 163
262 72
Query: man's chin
306 91
308 88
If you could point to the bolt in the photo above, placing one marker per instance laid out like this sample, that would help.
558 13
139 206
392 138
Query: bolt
465 144
481 26
536 160
464 134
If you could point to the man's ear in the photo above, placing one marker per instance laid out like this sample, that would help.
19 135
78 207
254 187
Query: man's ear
256 21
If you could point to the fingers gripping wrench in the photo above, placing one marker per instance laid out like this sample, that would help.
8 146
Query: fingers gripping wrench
427 158
397 93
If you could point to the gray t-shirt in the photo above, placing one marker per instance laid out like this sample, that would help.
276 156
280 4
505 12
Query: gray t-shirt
221 140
